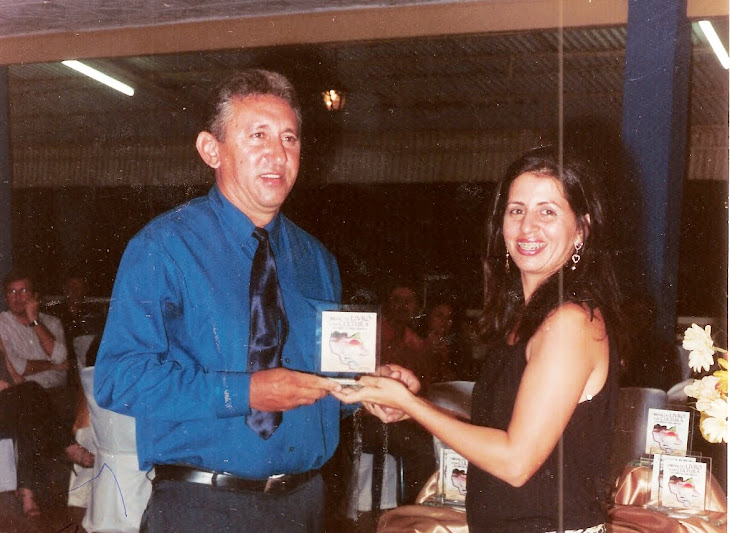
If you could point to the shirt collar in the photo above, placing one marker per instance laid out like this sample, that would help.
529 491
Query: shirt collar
237 221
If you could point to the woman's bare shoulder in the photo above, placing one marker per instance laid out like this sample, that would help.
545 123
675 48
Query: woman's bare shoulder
575 322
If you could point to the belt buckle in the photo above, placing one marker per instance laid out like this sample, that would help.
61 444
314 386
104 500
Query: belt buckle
275 483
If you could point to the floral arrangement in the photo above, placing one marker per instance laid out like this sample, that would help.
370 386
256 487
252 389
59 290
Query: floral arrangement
710 391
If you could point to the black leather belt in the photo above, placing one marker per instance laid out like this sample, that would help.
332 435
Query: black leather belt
280 484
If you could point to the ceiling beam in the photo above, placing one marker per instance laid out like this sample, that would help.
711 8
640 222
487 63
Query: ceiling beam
449 18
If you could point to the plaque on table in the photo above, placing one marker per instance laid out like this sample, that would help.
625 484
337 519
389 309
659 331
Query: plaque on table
349 342
667 432
682 483
452 477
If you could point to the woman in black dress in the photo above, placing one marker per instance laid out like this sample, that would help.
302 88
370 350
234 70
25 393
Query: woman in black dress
542 412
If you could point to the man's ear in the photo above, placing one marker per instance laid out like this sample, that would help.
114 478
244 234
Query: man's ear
207 146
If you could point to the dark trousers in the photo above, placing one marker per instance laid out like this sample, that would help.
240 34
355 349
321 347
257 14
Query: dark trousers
184 507
27 416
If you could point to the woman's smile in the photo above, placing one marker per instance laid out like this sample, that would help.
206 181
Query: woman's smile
539 227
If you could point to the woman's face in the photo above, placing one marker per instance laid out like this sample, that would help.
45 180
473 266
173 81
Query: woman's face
540 229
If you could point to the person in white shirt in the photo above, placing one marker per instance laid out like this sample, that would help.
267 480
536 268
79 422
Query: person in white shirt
33 341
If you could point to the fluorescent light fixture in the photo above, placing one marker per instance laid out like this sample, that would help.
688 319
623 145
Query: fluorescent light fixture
716 44
99 76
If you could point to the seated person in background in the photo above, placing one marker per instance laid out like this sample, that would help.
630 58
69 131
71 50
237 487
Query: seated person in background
552 320
448 344
83 324
34 342
442 356
27 417
400 344
78 315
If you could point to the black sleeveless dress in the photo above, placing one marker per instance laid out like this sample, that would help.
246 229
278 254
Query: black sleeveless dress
495 506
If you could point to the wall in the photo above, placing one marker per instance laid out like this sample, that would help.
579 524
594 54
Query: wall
376 231
395 157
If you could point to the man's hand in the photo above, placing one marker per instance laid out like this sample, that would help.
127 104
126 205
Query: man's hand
281 389
4 385
32 307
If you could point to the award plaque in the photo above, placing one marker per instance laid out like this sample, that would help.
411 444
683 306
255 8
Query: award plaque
349 342
452 477
667 432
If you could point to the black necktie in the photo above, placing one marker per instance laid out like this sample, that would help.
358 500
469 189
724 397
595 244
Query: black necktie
268 328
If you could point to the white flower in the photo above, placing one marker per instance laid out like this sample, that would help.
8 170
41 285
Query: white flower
710 391
701 348
714 429
717 408
705 390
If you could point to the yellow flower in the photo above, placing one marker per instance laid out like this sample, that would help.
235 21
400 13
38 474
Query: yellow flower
699 343
721 375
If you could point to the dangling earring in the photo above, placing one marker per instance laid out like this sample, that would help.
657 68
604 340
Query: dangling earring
576 256
506 262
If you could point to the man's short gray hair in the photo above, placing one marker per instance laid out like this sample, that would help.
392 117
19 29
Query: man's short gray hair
250 82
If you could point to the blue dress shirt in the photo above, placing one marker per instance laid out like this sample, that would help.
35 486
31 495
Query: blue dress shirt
174 350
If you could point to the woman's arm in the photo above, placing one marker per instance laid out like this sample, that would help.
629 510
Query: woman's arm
567 358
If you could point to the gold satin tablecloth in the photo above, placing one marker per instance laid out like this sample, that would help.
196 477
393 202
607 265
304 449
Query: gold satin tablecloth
422 517
626 515
633 490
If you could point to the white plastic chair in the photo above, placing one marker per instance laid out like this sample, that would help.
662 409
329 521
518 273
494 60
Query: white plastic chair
81 347
454 396
8 471
629 430
119 490
676 394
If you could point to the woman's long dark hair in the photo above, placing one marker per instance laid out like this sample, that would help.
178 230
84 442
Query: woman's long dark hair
592 283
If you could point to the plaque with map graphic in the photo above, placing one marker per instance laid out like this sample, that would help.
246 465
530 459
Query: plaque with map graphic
349 343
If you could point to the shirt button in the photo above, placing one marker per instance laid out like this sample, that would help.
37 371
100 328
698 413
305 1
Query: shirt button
287 361
291 448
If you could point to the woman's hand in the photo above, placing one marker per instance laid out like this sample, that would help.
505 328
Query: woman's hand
386 413
402 374
405 376
385 397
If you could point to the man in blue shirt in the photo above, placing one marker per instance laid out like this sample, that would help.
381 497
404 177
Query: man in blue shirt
174 351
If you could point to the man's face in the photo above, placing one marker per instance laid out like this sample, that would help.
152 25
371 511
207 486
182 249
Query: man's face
257 163
17 294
